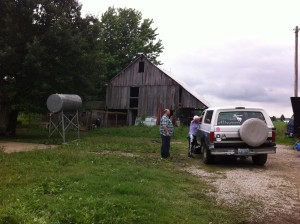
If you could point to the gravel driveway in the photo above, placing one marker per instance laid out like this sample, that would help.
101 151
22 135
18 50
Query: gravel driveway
269 194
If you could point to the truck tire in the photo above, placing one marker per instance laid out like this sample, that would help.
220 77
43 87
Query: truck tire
254 132
207 157
260 160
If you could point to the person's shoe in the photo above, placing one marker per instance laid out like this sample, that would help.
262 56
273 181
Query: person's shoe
190 155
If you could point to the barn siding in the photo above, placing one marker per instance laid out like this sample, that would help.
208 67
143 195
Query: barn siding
155 89
189 101
117 97
151 76
151 97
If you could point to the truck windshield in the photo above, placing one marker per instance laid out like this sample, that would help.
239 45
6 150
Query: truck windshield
238 117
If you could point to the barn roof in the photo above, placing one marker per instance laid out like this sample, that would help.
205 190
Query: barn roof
171 76
186 87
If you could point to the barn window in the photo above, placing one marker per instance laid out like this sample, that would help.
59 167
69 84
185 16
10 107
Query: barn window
134 97
180 94
134 103
141 66
134 91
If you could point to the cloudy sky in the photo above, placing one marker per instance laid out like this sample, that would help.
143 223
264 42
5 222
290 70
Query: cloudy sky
233 52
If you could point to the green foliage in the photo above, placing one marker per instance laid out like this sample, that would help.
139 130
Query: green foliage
94 181
49 53
29 118
281 138
46 47
124 35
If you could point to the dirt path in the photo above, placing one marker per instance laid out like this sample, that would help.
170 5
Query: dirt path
10 147
269 194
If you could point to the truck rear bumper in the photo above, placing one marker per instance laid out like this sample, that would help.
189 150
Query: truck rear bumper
243 151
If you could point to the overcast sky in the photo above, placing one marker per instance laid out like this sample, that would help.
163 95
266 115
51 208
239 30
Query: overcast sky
231 52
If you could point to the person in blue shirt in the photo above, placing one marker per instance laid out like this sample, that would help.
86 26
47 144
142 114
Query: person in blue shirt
166 132
192 134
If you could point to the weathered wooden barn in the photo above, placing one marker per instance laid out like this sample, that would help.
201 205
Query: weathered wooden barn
143 89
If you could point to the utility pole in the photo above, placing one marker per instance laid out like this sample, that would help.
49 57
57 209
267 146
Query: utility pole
296 61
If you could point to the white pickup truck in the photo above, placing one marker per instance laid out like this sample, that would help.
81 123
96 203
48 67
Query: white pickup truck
236 131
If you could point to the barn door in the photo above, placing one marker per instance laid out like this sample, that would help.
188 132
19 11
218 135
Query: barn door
133 104
132 116
134 98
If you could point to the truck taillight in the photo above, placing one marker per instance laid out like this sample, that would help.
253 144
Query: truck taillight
211 136
273 136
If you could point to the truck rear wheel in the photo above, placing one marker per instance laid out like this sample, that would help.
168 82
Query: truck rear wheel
260 160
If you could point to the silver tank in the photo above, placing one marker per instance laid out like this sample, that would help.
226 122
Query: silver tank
65 102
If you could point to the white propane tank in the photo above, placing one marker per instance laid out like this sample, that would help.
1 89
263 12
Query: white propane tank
63 102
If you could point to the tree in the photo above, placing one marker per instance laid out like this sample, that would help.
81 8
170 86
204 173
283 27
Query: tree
282 118
45 47
15 29
124 35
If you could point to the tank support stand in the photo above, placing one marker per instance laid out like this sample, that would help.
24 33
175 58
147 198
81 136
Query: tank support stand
61 122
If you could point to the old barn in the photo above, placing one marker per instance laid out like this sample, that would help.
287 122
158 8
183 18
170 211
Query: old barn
143 89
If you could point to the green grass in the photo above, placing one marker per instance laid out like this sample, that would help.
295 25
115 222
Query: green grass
93 181
37 134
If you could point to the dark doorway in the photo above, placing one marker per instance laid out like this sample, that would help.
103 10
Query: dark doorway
132 116
134 98
141 66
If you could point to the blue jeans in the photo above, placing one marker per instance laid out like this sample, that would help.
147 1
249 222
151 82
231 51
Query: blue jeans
192 143
165 146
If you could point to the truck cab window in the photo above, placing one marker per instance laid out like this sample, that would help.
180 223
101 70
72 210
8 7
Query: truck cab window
208 117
